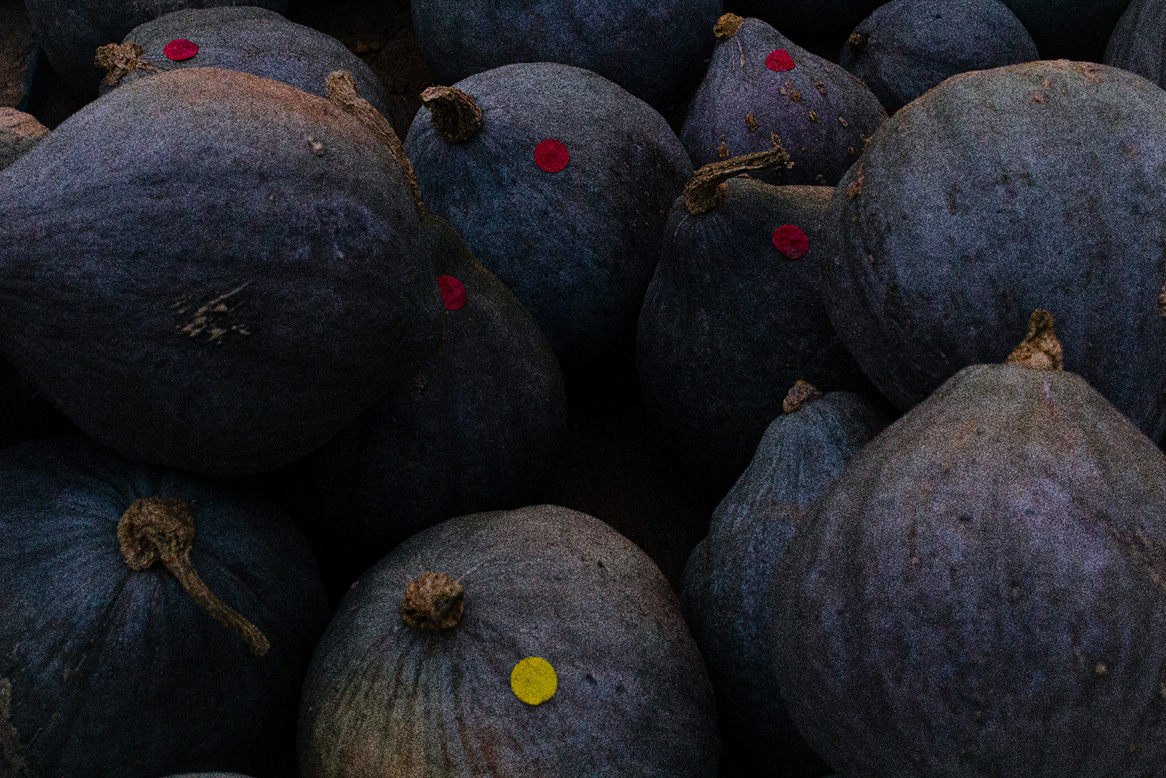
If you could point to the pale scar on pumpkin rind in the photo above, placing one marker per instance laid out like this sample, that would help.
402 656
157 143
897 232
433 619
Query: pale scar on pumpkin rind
10 747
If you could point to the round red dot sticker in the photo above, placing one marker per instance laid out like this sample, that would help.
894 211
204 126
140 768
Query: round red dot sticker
551 155
791 241
779 60
180 49
453 292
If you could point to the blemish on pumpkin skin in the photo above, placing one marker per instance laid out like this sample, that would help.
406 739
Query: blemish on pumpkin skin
10 747
214 317
1162 302
750 122
855 188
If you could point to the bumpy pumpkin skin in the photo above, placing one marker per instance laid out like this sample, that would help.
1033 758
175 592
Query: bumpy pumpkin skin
577 247
632 697
1137 43
1073 29
248 282
945 240
479 427
253 40
908 46
727 581
655 49
742 104
111 671
729 319
981 591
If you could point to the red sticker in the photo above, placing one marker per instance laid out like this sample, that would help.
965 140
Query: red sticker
551 155
180 49
453 292
779 60
791 241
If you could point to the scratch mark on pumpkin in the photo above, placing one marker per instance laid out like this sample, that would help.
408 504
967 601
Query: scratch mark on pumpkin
1162 302
1149 555
214 317
10 747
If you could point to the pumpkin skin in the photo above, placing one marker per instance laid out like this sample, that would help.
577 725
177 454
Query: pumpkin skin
1071 29
908 46
655 49
70 31
248 328
18 56
479 427
120 672
1137 41
980 591
962 216
728 317
19 132
632 695
578 246
726 597
822 127
253 40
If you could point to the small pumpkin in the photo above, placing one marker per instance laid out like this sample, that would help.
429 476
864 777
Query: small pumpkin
727 581
536 642
560 182
231 297
981 592
245 38
154 621
762 90
908 46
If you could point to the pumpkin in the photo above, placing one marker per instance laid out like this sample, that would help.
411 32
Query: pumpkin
70 31
246 38
154 621
250 280
560 182
908 46
763 90
479 427
980 592
726 597
732 311
535 642
1137 41
19 132
963 215
655 49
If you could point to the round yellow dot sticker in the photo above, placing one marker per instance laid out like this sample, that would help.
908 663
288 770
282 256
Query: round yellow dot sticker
533 680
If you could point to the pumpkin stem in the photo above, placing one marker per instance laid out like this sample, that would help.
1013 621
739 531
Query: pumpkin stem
1040 348
433 602
705 189
858 41
341 90
801 394
727 26
454 114
161 528
118 60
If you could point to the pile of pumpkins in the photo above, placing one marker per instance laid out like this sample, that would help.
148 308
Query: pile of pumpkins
903 307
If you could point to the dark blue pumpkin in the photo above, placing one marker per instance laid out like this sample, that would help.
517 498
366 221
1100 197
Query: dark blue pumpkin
113 670
1138 42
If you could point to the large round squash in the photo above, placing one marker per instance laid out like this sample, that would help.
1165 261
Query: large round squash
536 643
244 275
983 589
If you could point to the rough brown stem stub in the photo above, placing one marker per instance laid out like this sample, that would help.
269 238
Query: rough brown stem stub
118 60
454 114
1040 349
801 394
727 26
432 602
341 90
161 529
705 191
858 41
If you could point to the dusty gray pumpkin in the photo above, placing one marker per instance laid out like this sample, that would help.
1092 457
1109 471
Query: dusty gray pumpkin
963 216
727 581
246 38
762 90
416 675
249 281
983 589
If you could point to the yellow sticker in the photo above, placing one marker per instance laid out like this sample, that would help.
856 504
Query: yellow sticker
533 680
